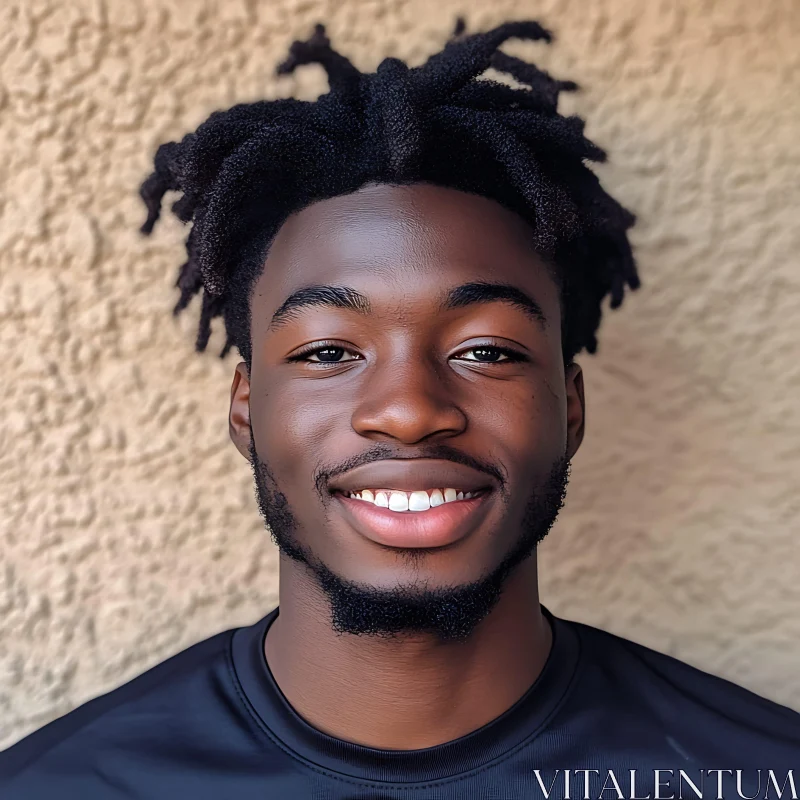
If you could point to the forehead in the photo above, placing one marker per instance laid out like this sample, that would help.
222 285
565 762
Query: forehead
407 239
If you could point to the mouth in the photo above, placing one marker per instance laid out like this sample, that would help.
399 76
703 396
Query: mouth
421 518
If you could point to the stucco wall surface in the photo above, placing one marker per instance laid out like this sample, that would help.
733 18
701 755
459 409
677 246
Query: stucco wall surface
129 528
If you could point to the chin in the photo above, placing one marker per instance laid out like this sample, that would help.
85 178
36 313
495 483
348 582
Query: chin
385 568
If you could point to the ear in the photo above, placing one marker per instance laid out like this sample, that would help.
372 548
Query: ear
576 408
239 415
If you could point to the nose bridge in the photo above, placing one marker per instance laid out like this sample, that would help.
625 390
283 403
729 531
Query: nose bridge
407 396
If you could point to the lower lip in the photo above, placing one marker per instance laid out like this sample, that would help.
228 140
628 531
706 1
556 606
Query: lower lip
436 527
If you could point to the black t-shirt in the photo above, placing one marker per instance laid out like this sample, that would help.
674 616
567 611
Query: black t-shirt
212 723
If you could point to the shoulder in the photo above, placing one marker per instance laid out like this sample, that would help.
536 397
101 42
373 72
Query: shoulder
143 708
665 686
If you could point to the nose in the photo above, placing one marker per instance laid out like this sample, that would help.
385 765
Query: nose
408 400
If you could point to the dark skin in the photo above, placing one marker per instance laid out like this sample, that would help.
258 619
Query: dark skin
406 374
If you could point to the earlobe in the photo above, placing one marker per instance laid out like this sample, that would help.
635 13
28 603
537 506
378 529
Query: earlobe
576 408
239 415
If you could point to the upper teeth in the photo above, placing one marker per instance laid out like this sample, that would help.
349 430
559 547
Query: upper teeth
420 500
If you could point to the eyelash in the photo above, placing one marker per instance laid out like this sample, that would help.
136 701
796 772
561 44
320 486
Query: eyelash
511 356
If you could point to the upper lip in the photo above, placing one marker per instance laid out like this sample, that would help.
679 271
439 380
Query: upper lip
410 474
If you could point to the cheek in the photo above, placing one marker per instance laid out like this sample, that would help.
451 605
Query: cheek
552 406
290 432
530 427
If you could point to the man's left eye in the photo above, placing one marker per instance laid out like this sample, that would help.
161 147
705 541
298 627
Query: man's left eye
488 355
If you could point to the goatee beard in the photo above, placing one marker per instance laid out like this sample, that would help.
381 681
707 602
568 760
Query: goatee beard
448 613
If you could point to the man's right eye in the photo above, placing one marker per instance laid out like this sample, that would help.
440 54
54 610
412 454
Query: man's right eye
325 354
328 354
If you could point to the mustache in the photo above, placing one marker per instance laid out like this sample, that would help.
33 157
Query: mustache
379 452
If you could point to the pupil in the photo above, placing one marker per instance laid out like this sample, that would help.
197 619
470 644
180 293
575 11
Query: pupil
330 354
491 351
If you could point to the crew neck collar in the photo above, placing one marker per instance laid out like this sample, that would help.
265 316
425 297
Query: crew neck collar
522 721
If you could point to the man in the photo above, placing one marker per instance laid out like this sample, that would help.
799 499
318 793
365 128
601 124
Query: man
408 267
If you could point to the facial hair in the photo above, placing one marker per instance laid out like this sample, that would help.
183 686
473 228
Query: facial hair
450 613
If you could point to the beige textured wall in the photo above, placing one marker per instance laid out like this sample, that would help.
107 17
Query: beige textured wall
129 528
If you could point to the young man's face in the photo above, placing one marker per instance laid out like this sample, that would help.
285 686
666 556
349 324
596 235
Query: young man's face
409 392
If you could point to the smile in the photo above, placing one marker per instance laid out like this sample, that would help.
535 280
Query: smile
419 500
417 519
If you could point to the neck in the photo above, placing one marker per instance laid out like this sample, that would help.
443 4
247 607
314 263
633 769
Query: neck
412 692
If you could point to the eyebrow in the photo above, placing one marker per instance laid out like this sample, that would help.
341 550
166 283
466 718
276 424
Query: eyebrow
459 297
486 292
331 296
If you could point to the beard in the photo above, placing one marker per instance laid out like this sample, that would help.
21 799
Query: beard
450 613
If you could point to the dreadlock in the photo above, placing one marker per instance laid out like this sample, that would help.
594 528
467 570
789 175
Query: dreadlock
245 170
